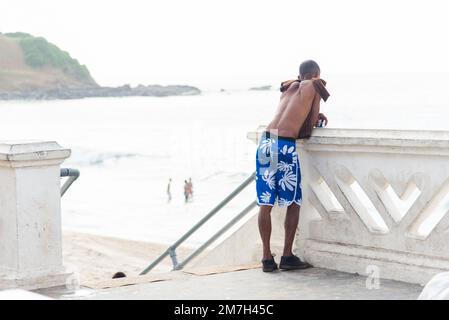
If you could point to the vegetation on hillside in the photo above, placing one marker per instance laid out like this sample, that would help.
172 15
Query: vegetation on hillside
17 35
38 53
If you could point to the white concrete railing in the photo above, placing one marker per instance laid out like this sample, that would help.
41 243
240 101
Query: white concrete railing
30 215
376 199
375 202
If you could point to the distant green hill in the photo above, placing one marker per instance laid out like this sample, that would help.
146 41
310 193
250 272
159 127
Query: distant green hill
33 68
33 63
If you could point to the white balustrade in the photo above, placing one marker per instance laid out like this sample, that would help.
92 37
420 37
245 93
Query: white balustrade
376 198
373 200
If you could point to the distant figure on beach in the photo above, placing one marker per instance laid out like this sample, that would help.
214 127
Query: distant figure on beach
186 190
190 188
278 175
169 190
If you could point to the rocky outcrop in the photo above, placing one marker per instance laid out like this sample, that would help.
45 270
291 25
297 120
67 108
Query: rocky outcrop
90 92
261 88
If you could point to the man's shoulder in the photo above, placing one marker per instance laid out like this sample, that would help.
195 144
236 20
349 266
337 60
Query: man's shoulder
300 88
307 84
307 88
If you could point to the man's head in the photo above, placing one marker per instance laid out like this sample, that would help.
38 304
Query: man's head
309 69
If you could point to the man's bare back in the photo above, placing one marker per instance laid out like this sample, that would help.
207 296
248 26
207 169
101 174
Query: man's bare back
294 107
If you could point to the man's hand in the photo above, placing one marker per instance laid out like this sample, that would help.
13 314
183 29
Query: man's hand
322 117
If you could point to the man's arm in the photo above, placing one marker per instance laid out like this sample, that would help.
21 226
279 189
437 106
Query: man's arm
315 110
316 115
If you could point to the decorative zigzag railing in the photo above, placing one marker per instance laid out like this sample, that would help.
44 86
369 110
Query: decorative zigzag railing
376 200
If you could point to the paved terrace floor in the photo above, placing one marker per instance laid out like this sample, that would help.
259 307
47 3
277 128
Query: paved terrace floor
251 284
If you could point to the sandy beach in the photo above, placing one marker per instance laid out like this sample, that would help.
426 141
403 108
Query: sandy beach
98 258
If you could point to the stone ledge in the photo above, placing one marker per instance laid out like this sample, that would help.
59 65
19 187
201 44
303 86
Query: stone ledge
372 141
37 282
29 153
395 265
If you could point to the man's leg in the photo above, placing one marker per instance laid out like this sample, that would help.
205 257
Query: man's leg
288 260
265 229
290 226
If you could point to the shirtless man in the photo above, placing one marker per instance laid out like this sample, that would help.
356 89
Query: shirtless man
278 174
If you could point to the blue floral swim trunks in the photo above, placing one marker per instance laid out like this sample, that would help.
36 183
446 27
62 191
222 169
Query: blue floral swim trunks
278 175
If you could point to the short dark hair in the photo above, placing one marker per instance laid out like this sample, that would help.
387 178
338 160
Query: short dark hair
308 68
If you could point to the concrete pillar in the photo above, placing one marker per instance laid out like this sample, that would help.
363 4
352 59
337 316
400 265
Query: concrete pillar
30 214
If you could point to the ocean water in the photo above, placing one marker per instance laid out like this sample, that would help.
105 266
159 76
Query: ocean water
128 148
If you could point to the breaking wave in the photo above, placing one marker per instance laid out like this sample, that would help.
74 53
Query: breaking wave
86 157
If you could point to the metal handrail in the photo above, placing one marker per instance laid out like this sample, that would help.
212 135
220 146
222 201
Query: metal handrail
73 174
217 235
171 251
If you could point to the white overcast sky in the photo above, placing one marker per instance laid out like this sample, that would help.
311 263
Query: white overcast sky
236 43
